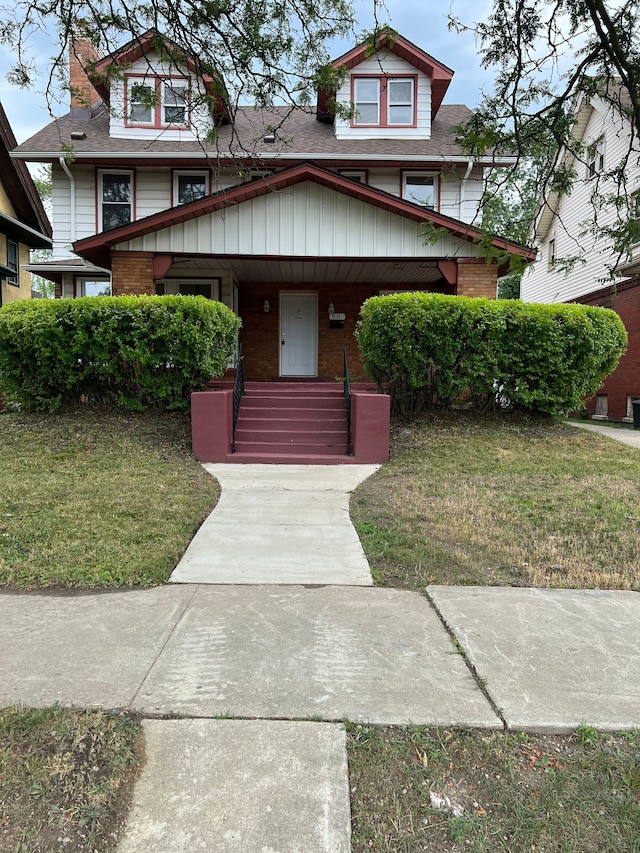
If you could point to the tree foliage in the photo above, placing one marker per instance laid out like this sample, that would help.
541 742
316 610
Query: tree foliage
263 51
550 58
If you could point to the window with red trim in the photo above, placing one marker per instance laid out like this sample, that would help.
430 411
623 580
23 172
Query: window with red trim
157 102
384 101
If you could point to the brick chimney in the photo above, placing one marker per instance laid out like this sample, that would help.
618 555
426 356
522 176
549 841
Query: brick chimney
82 53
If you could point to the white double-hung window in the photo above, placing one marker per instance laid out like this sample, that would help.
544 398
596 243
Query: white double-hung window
421 188
115 199
384 101
157 102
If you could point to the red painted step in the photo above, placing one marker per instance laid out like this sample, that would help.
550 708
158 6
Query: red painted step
297 421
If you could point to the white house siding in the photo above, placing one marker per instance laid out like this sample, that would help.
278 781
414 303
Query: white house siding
544 282
386 62
65 232
303 220
455 200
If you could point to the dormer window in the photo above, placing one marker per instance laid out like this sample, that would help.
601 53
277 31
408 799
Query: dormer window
384 101
157 102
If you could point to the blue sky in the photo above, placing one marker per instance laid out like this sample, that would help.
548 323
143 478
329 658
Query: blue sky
422 21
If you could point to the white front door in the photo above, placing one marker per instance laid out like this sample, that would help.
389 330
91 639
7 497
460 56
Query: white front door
298 334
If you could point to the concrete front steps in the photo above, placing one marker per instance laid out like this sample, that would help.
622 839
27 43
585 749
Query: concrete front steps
292 422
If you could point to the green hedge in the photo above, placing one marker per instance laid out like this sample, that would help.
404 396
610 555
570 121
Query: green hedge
430 350
125 351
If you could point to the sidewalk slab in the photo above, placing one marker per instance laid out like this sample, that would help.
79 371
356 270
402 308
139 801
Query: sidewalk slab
234 785
625 436
551 659
367 655
83 649
280 524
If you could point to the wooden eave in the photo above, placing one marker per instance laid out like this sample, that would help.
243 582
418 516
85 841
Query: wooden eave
18 184
96 248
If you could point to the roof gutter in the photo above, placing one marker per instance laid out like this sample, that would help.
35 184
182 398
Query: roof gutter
40 156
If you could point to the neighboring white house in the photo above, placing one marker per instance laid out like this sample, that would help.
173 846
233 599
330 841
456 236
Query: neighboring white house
285 215
564 232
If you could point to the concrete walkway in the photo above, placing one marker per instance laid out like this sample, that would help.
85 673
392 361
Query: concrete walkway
279 524
276 658
626 436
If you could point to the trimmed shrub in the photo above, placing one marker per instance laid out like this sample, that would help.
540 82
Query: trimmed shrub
124 351
431 350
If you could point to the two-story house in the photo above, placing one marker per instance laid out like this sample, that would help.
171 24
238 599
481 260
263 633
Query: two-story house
24 225
289 216
565 232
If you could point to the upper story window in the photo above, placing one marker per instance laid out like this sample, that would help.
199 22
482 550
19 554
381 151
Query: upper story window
12 262
595 160
384 101
358 175
189 186
421 188
115 199
157 102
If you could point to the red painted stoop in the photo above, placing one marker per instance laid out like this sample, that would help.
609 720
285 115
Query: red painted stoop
292 422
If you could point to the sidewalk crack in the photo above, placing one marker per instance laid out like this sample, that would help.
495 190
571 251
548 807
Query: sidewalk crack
163 647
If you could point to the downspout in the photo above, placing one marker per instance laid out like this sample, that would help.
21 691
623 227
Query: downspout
72 211
470 164
72 184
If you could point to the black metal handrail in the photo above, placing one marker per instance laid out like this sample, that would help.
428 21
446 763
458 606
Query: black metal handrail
238 393
347 401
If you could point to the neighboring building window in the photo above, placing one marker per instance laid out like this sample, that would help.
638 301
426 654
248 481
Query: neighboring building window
384 101
630 400
595 162
420 188
189 186
552 252
359 175
90 287
602 407
156 102
12 262
115 194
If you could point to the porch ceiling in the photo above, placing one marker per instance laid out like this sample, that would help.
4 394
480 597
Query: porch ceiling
313 270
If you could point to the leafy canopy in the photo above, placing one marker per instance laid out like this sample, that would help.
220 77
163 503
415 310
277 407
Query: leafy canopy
551 58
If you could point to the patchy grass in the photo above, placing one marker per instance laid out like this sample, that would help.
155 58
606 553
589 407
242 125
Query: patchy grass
502 501
65 779
93 499
513 793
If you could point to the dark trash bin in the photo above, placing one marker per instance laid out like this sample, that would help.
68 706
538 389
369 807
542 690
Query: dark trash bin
636 413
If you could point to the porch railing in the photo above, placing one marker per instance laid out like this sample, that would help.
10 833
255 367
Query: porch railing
238 393
347 401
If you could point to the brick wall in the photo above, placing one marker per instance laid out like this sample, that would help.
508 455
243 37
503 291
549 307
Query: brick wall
477 278
624 299
261 332
132 274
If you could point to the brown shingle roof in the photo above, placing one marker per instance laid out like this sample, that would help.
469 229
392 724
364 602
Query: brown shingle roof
298 136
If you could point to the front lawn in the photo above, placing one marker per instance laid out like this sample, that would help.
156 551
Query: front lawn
502 501
93 499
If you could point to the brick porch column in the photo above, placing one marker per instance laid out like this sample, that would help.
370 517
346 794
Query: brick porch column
132 274
477 278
